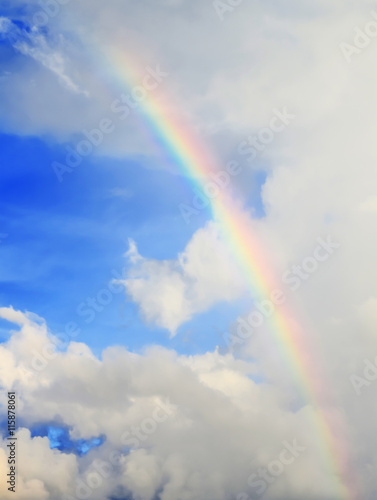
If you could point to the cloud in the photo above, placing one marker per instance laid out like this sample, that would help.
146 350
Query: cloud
215 426
169 293
33 44
262 56
321 180
43 473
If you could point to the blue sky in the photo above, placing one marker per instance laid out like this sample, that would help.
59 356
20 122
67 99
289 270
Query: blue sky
64 240
266 84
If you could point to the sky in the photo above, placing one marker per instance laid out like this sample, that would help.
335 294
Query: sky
188 306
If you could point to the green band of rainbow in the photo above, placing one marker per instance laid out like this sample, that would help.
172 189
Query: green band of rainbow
196 163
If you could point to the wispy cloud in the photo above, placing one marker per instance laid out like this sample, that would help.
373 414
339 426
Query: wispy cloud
32 43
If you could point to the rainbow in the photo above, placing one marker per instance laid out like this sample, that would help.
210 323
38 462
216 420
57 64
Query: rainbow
194 161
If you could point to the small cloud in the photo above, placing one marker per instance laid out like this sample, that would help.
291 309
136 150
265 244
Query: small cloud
132 253
5 25
170 292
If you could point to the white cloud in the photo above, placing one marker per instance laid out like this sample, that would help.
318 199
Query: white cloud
169 293
42 473
222 428
322 180
33 44
263 55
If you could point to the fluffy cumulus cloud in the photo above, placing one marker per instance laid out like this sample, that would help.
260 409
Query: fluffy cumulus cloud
227 418
36 482
170 293
182 427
